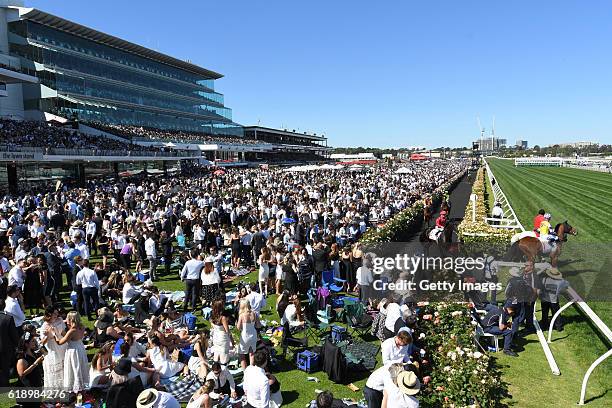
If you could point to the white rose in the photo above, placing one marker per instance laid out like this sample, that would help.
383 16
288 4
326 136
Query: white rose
477 354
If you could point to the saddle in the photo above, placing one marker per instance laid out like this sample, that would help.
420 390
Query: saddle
547 245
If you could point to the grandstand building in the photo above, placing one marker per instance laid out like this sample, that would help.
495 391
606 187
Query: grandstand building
144 110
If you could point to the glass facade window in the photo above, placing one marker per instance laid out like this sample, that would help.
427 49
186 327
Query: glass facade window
97 82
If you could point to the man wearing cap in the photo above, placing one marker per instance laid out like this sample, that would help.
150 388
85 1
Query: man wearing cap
400 388
152 398
553 285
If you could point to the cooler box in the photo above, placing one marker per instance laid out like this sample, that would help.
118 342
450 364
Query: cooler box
308 361
338 334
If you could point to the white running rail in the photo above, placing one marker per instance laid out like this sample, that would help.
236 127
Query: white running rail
509 219
574 299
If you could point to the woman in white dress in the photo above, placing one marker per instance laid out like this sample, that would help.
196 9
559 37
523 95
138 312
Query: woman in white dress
221 335
162 361
264 270
280 275
247 323
76 367
53 364
101 363
198 362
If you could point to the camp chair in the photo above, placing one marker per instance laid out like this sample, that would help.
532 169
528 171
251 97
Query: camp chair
357 320
315 327
291 343
329 281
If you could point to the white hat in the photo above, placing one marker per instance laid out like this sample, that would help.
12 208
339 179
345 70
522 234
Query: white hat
148 398
516 272
408 383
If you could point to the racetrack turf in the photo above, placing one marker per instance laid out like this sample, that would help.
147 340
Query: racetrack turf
583 198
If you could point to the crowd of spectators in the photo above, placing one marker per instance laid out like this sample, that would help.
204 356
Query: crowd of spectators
288 227
43 135
176 136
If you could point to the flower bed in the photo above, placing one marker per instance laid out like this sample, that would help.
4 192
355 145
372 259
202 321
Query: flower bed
459 374
479 232
409 220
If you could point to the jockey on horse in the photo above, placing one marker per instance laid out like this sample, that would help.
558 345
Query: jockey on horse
441 221
543 239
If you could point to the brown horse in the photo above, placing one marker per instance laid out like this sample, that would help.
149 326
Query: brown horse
427 212
531 246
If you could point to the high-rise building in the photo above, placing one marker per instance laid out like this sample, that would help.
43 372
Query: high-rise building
96 77
521 144
489 144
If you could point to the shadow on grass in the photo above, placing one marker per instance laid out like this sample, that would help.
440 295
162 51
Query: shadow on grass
603 394
289 397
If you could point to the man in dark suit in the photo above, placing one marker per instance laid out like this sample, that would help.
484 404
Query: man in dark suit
8 344
320 256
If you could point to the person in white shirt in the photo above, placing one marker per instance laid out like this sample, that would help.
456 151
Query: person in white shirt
255 383
373 390
88 280
129 290
395 349
81 246
399 390
497 212
224 381
256 299
90 234
14 306
190 274
364 281
16 275
151 252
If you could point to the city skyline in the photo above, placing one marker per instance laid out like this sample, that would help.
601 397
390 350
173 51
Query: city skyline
393 75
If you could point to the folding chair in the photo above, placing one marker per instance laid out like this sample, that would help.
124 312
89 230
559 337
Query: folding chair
357 320
291 343
315 327
479 332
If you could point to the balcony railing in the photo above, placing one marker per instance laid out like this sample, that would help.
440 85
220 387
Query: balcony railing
55 151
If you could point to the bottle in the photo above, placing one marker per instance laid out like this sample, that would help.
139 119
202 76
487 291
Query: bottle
79 400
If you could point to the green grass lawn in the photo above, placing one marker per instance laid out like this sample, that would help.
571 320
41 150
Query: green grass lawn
581 197
296 390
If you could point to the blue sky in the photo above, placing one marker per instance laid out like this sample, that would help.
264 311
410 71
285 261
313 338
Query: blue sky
389 73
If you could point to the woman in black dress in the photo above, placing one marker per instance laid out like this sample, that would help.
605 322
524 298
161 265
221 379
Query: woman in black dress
103 245
235 243
290 273
33 286
29 366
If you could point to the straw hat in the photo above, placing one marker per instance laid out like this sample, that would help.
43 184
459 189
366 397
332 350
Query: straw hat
408 383
148 398
554 273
